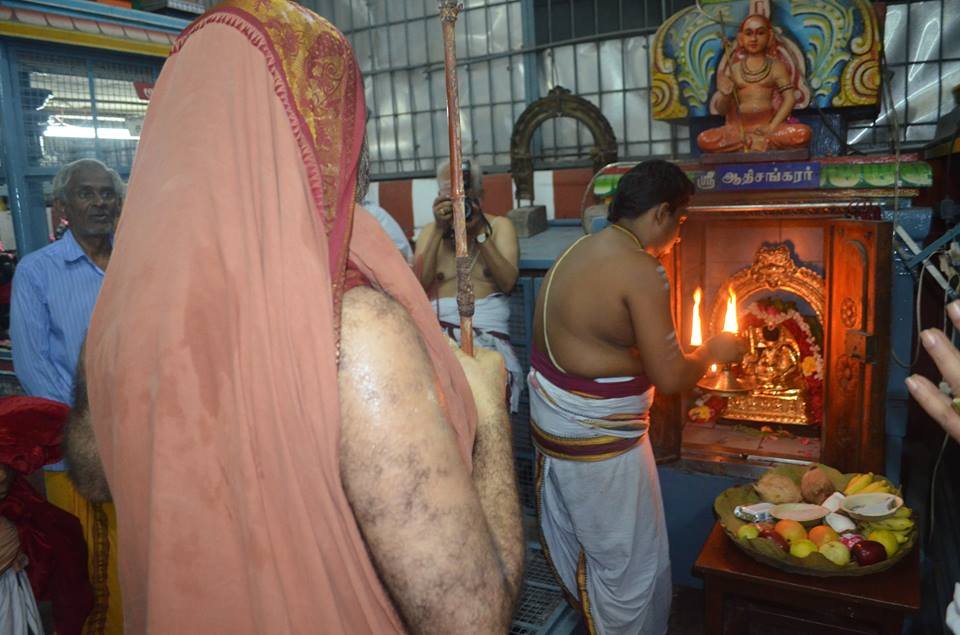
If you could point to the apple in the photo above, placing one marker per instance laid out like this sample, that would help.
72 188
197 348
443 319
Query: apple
791 530
849 540
886 538
802 548
867 552
776 538
836 552
748 532
822 534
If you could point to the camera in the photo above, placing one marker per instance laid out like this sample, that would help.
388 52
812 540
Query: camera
469 203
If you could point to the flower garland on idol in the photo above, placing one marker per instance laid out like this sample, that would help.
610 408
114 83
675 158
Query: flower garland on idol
772 313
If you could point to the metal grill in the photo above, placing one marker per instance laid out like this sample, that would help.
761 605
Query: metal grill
511 52
400 52
517 327
65 105
525 464
538 572
537 606
922 51
6 218
39 201
74 108
520 422
119 109
55 101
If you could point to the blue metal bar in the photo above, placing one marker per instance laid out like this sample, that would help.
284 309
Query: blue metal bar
28 233
531 79
531 71
93 109
100 12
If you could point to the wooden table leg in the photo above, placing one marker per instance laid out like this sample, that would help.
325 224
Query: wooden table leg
892 625
713 598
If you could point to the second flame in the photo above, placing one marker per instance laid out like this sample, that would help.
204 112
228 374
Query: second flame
696 334
730 324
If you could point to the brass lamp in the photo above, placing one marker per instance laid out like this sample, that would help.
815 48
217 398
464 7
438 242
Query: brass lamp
725 381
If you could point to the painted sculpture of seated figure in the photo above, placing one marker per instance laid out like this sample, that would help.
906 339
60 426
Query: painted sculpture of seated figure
759 83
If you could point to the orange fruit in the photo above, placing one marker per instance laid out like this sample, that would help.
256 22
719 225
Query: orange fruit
790 529
822 534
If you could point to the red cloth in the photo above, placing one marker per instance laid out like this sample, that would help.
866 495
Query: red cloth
31 430
53 542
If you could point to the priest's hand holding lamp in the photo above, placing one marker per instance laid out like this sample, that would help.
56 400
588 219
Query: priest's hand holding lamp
727 348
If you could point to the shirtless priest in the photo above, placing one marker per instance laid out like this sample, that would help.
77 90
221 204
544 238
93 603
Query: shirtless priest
603 340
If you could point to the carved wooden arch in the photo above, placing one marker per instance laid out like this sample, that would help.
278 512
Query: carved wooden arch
559 102
773 269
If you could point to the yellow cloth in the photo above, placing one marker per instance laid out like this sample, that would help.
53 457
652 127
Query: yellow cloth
99 522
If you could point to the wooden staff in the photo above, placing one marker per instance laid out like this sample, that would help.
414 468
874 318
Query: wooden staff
449 10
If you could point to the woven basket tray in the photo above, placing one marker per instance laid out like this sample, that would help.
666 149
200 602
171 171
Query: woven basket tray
767 552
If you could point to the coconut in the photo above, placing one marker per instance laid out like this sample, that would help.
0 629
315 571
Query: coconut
815 485
777 488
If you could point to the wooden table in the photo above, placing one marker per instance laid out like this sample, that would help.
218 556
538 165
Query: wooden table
746 596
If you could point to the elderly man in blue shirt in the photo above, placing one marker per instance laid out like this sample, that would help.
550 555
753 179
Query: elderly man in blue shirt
54 291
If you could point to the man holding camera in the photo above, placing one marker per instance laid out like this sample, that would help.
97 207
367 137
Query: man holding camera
493 252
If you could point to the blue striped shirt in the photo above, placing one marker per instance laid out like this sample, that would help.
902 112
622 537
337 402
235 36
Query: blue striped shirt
54 290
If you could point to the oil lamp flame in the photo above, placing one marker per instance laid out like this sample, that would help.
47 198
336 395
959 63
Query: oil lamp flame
696 334
730 319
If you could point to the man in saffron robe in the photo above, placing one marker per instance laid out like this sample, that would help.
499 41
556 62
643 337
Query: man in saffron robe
289 440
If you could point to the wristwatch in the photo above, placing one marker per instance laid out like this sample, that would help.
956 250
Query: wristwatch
481 238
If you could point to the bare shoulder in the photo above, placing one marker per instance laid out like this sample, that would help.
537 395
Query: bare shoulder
779 69
501 223
403 474
384 371
375 326
361 302
628 264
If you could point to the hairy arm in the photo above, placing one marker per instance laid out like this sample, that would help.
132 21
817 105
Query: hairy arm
648 300
493 472
84 466
425 256
501 254
445 549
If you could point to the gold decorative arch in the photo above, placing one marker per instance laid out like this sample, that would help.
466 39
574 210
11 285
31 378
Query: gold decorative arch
773 269
559 102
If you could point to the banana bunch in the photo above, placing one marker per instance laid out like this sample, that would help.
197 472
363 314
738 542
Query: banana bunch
857 483
900 525
867 484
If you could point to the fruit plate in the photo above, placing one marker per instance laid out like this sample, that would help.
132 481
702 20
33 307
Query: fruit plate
768 552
